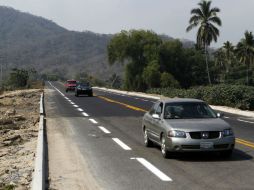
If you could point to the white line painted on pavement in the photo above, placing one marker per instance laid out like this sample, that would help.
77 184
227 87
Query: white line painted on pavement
226 117
75 106
245 121
85 114
153 169
79 109
104 130
121 144
93 121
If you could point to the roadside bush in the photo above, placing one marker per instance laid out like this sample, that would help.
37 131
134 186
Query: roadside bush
238 96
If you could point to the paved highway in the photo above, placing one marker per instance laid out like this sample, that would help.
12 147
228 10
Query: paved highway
106 130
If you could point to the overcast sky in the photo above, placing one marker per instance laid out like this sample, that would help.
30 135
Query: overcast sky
162 16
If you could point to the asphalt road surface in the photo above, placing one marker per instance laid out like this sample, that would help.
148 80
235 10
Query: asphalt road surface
106 129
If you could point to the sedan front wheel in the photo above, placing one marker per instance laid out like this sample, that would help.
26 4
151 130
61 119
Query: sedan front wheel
164 151
147 141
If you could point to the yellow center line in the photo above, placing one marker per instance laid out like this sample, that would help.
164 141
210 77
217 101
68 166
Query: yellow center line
238 140
244 142
123 104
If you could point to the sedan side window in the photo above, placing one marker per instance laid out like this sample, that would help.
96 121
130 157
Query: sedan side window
159 109
154 107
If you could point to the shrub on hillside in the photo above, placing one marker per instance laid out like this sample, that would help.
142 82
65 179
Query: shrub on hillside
238 96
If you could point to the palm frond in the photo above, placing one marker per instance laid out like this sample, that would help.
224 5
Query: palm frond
197 12
215 20
195 19
191 26
215 10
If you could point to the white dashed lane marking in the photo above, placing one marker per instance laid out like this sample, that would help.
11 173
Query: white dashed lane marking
85 114
121 144
79 109
93 121
245 121
75 106
104 130
153 169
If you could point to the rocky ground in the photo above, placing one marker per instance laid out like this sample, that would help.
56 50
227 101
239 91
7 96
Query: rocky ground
19 121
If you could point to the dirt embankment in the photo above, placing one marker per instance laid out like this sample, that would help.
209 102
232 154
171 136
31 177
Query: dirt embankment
19 120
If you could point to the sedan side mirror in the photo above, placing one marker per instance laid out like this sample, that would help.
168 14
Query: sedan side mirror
220 115
156 116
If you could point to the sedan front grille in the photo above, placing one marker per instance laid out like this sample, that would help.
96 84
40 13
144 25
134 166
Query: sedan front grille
205 135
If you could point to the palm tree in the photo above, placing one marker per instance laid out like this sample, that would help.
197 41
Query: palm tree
204 18
245 51
219 58
229 50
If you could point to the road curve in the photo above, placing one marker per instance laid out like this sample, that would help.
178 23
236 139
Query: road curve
106 131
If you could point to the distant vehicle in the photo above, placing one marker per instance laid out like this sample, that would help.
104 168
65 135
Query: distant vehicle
187 125
70 85
83 89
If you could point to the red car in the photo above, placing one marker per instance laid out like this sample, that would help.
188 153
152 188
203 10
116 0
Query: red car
70 85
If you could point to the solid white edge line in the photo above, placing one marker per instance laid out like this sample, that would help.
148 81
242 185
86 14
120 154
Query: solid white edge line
104 130
245 121
85 114
153 169
121 144
75 106
80 109
93 121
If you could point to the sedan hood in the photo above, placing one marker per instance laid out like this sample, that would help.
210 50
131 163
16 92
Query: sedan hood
189 125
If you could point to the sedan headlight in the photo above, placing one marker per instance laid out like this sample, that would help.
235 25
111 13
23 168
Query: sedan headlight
227 132
176 133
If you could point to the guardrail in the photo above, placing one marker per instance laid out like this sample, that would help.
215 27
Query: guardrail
38 181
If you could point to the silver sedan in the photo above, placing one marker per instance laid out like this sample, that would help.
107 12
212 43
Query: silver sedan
187 125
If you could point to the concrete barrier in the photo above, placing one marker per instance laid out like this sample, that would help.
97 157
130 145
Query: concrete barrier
38 181
156 97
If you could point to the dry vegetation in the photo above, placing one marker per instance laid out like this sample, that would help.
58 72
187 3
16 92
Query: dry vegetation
19 117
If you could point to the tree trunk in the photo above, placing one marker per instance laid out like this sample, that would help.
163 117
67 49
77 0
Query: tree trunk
207 67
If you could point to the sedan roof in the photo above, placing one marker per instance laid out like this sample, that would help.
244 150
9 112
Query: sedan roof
172 100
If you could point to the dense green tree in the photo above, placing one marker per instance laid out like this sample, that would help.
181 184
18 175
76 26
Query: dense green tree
245 52
137 48
151 74
18 78
168 80
205 18
229 53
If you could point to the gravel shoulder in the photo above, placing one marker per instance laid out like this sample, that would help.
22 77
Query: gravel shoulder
19 121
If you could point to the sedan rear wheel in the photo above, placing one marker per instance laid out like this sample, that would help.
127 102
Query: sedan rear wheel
164 151
147 141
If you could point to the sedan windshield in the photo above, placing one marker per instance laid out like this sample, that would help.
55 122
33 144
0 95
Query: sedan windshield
84 85
71 82
188 110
